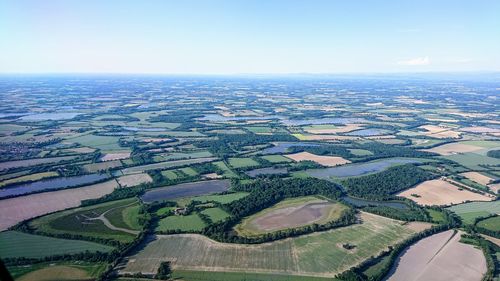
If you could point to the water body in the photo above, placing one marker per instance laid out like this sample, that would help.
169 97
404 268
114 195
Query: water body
51 184
368 132
281 147
50 116
185 190
321 121
357 202
359 169
266 171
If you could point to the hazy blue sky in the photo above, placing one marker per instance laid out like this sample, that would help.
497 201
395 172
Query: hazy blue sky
213 37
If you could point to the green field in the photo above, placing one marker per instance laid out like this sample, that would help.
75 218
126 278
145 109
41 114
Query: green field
492 223
65 270
360 152
223 199
76 221
249 227
239 276
216 214
32 177
104 143
242 162
436 216
260 130
15 244
318 254
473 161
227 172
164 165
276 159
182 155
184 223
470 211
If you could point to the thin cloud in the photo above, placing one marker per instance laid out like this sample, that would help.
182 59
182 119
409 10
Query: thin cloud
415 61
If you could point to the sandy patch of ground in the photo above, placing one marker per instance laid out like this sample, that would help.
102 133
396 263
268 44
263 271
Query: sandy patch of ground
453 148
115 156
344 129
440 257
440 192
211 176
328 161
134 179
324 137
15 210
480 129
494 187
439 132
478 177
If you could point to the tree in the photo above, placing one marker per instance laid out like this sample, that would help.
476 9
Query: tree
164 271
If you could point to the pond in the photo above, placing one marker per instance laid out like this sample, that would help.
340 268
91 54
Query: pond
51 184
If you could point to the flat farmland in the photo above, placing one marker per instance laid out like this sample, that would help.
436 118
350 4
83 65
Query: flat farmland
440 257
478 177
32 177
440 192
134 179
329 161
185 190
191 222
165 165
242 162
470 211
291 213
15 210
32 162
318 254
18 244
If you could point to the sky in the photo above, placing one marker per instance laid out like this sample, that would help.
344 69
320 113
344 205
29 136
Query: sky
252 36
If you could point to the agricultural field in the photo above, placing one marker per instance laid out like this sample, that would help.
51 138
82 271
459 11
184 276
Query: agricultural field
276 159
164 165
470 211
291 213
17 244
492 224
441 257
328 161
319 254
185 190
28 178
77 270
113 220
440 192
242 163
183 223
134 179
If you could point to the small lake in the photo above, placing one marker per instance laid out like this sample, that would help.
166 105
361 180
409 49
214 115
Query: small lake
50 116
185 190
51 184
266 171
359 169
358 202
281 147
369 132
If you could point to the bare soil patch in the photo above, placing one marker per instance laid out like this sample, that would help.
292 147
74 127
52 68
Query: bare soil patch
454 148
478 177
15 210
134 179
440 192
441 257
328 161
344 129
115 156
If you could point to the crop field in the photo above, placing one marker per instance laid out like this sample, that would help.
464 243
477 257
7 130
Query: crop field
102 166
165 165
185 190
216 214
180 155
223 199
126 216
440 192
227 172
191 222
94 221
331 129
474 161
318 254
17 244
470 211
15 210
492 223
32 177
440 257
242 163
115 156
276 159
32 162
65 270
463 147
328 161
238 276
134 179
478 177
104 143
291 213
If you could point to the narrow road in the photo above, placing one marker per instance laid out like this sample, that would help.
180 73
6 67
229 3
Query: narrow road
108 224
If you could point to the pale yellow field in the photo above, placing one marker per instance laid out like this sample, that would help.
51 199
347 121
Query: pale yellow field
440 132
134 179
57 272
440 192
480 129
477 177
328 161
324 137
15 210
454 148
115 156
